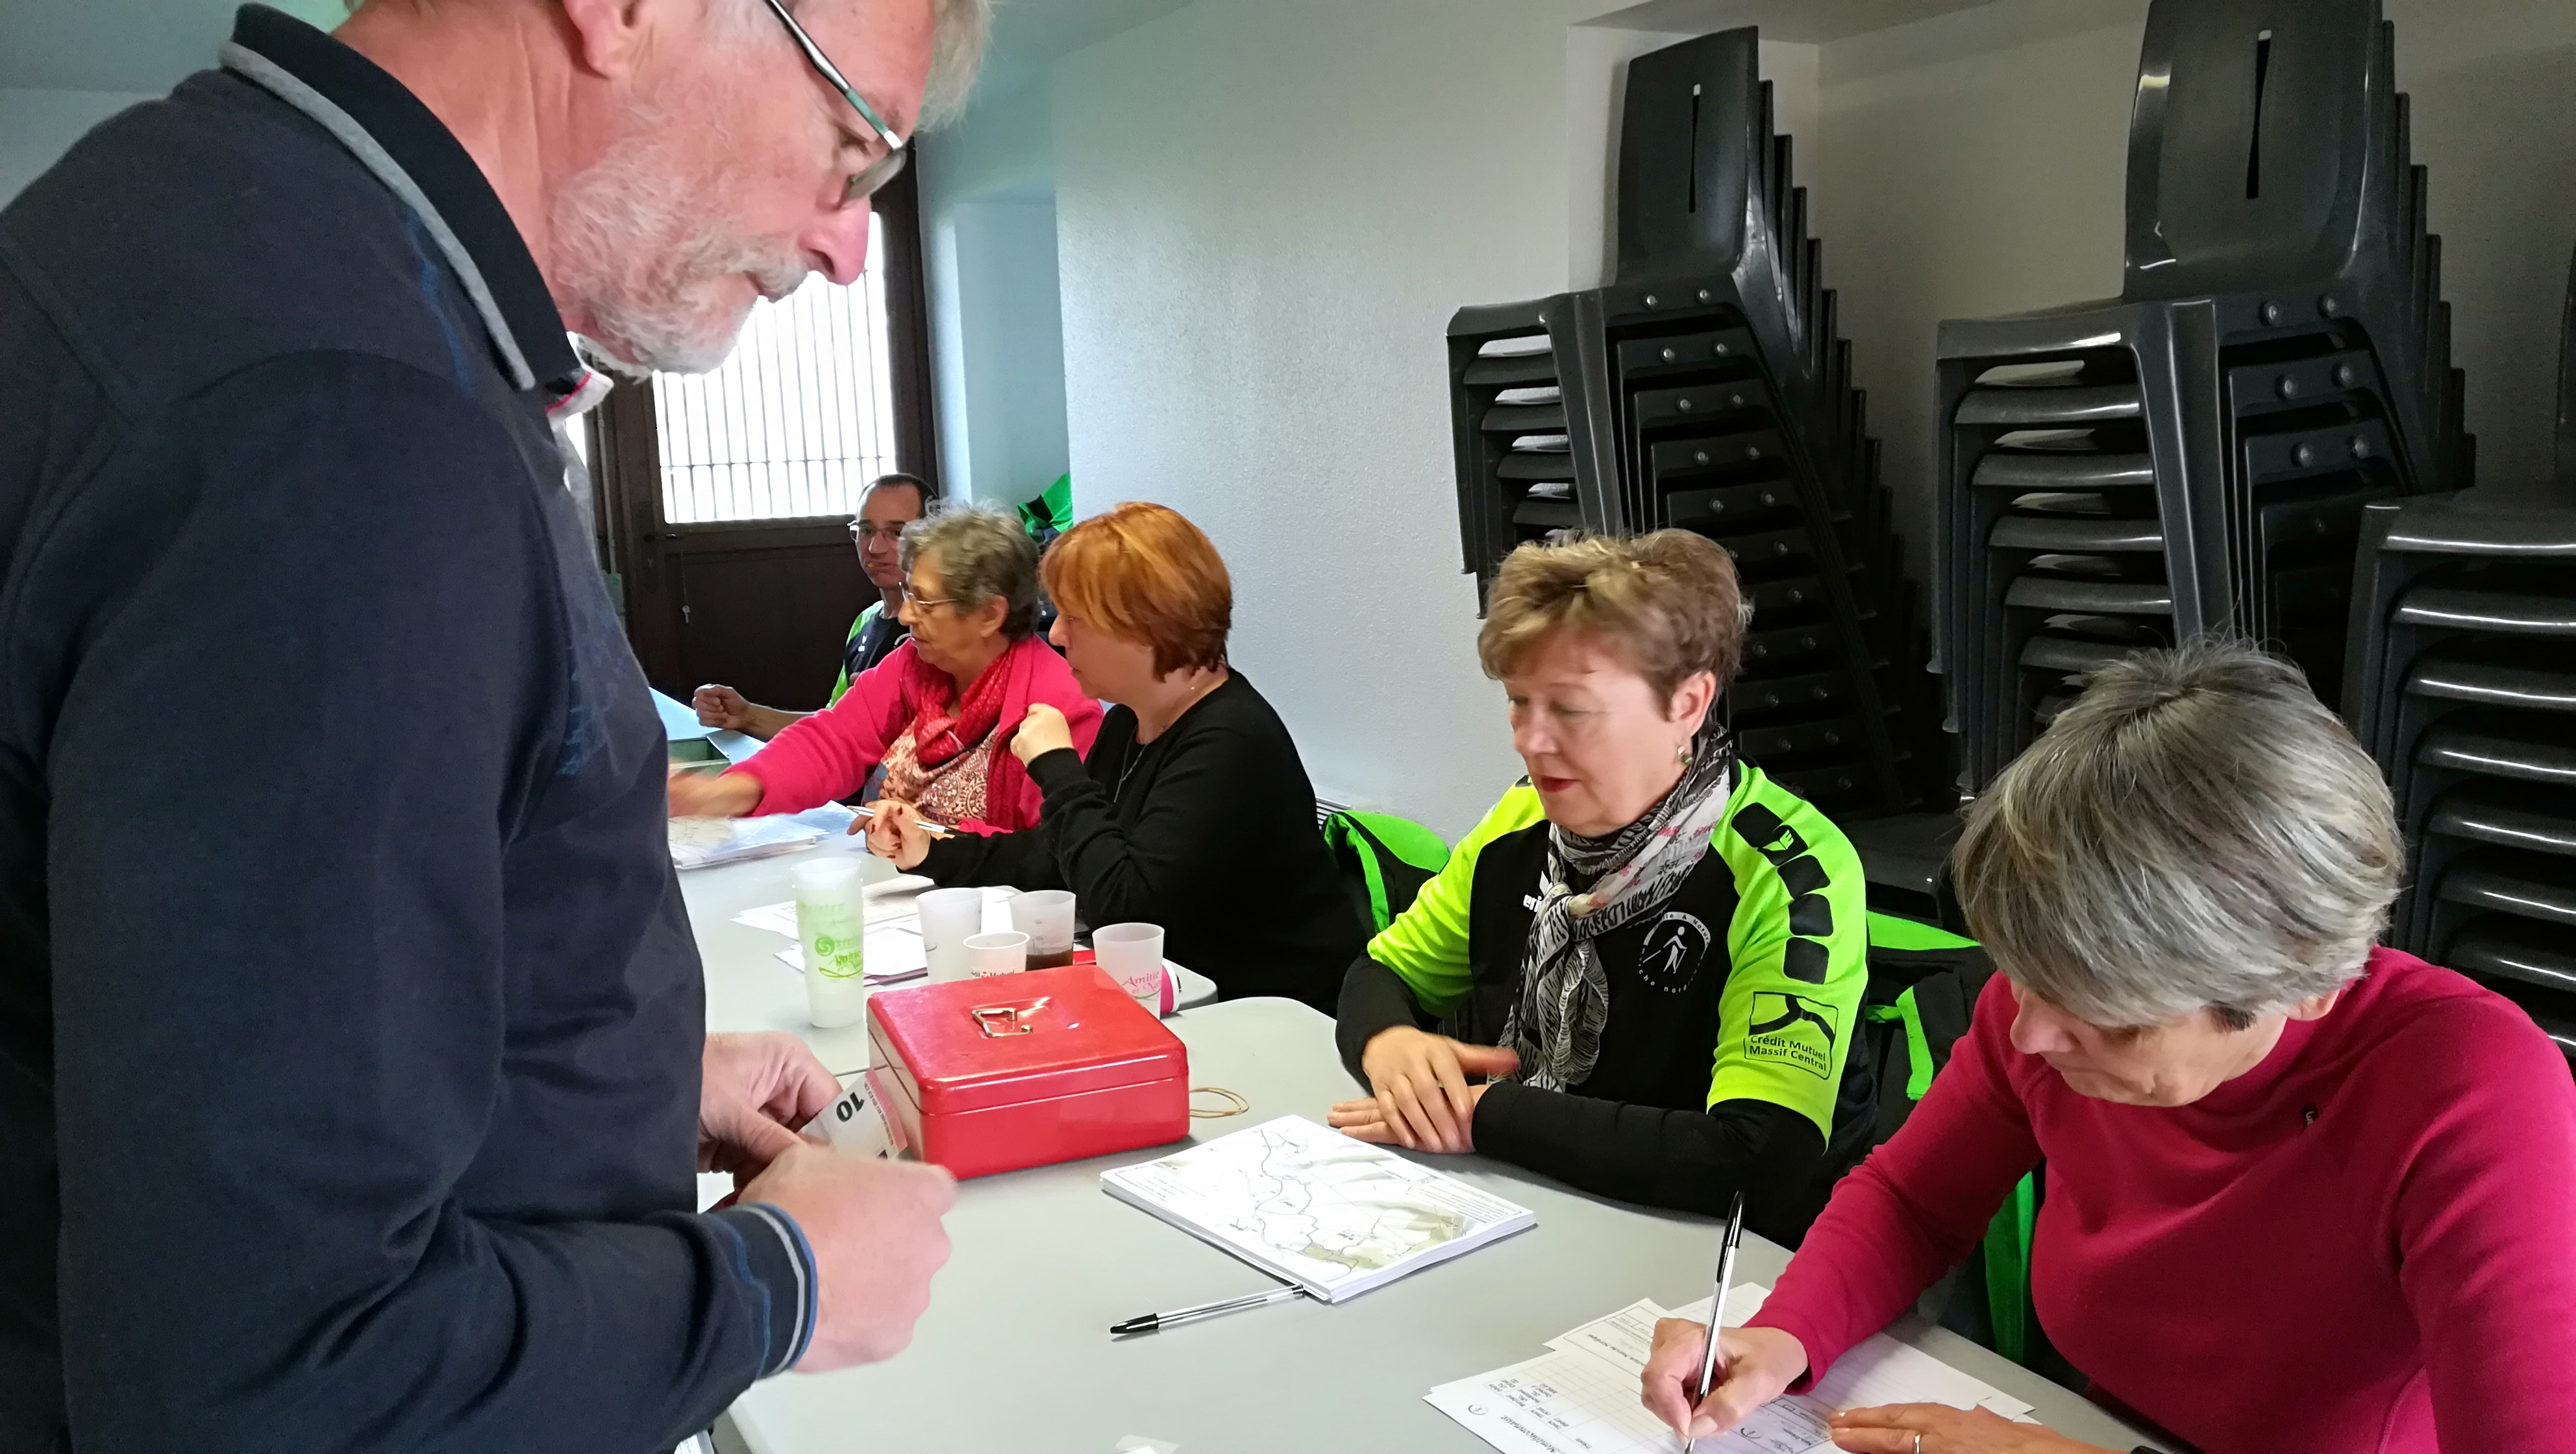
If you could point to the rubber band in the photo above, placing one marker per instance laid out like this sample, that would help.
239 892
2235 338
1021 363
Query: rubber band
1238 1107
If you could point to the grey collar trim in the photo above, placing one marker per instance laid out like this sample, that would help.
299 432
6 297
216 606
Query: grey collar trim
279 82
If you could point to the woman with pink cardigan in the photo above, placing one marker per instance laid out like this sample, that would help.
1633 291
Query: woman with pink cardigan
938 713
2303 1195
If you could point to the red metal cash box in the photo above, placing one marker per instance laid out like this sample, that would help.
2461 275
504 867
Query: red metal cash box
987 1075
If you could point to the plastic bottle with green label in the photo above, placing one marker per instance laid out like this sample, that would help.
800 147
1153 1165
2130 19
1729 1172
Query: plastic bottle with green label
832 925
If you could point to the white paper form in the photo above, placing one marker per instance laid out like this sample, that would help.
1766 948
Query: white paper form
895 954
1581 1397
1566 1402
891 902
1627 1336
776 918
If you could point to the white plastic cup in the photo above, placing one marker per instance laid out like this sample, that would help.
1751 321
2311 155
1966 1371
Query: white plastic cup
832 929
1132 954
949 917
1046 916
1003 952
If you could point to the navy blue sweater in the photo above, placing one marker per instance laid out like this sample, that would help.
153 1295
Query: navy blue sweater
349 1017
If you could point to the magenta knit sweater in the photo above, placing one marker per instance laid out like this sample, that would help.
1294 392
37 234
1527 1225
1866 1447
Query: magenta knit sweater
2366 1243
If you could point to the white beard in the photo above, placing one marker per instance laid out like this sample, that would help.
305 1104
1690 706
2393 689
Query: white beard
641 252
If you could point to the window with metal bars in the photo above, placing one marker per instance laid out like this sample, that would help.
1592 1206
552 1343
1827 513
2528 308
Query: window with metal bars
796 423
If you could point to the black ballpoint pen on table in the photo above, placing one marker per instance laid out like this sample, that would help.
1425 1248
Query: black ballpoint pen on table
1153 1322
1717 1306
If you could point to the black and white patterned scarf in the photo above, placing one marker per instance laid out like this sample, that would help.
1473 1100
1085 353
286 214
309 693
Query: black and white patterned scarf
1555 1025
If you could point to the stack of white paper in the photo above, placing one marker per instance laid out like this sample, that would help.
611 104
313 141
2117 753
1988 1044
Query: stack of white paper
1311 1206
1581 1396
708 842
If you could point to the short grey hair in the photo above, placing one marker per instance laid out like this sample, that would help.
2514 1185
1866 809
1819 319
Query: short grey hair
2196 831
959 29
956 55
983 553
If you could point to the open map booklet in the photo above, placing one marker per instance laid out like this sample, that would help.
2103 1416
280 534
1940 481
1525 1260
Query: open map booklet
1311 1206
1580 1397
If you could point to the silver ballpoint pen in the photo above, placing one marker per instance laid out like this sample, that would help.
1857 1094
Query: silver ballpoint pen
935 830
1152 1322
1717 1306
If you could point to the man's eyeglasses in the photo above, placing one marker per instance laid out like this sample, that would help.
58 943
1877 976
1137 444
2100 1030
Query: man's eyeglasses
880 171
862 532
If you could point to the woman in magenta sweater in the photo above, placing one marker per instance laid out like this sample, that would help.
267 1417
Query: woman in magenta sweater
939 712
2304 1196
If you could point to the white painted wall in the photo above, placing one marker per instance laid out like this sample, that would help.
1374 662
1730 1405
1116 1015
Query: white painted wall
1271 214
997 347
1011 344
38 126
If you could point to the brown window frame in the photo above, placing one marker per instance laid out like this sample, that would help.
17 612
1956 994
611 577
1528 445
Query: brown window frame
625 445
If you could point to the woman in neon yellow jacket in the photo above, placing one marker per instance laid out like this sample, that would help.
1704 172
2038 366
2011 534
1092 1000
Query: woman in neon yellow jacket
1650 953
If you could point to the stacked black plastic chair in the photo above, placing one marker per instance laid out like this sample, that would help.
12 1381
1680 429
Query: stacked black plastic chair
2463 685
1705 388
2195 455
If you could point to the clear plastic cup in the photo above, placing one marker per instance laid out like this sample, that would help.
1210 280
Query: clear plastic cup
949 917
1132 954
1005 952
1046 916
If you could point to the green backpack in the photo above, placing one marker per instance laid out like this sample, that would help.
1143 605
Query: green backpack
1385 861
1923 984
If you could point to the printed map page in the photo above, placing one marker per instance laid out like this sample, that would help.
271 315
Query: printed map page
1311 1206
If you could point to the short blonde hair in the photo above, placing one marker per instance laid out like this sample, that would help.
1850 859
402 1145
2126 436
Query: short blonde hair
1668 602
1146 573
2195 832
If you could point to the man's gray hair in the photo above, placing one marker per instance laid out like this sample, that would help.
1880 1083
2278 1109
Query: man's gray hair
983 553
959 30
2195 831
956 54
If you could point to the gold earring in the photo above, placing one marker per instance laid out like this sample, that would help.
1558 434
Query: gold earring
1683 752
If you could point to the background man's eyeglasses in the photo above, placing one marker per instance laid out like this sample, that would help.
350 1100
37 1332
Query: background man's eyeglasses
897 147
862 532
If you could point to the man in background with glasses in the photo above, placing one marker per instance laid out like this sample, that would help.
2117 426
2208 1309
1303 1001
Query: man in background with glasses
892 502
353 1074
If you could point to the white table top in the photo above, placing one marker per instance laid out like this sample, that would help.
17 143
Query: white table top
1015 1354
748 988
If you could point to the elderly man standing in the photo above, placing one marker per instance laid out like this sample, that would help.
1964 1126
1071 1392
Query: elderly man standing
352 1063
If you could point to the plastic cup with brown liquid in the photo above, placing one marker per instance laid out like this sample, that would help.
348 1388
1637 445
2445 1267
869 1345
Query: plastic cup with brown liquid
1046 916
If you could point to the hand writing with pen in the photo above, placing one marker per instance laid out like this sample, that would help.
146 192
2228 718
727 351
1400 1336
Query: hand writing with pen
1757 1365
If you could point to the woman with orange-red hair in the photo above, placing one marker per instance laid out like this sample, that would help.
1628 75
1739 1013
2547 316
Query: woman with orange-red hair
1193 810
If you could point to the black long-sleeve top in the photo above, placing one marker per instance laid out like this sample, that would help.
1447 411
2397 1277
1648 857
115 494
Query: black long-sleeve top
1658 1156
1208 830
350 1022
